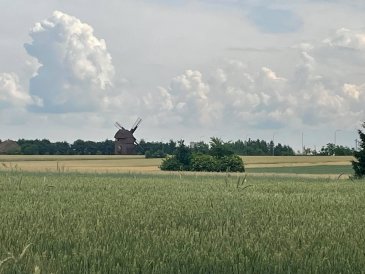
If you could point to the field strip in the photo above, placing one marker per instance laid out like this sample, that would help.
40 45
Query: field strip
154 170
295 175
55 158
262 165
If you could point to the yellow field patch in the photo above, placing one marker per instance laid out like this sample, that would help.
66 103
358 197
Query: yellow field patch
81 164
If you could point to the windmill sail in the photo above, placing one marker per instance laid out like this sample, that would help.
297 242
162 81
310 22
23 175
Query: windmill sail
136 124
118 125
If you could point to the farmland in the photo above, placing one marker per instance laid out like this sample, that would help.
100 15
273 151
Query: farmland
137 164
152 223
98 214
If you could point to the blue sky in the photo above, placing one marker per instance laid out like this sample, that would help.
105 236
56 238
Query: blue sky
275 20
190 69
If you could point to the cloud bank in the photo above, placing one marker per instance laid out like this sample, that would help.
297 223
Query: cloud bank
76 68
235 94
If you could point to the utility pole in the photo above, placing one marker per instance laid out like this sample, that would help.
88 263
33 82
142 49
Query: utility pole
303 143
246 144
273 144
337 130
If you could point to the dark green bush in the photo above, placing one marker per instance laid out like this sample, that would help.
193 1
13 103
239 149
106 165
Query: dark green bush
232 163
203 162
171 164
219 160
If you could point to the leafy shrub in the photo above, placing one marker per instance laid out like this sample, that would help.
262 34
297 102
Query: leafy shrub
171 164
220 159
203 162
232 163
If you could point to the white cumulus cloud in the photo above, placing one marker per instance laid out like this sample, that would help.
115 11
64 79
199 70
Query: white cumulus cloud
346 38
187 101
11 93
76 68
353 91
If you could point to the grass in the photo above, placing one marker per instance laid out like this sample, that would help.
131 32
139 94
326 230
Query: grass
265 160
128 223
317 169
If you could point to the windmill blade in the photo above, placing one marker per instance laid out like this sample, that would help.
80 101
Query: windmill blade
136 124
137 144
118 125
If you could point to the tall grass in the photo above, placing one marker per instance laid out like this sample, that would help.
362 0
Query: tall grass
317 169
79 223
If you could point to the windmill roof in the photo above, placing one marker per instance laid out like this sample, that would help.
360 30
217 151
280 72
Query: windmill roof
123 134
9 146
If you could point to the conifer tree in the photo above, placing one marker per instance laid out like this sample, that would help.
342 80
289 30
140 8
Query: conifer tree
359 164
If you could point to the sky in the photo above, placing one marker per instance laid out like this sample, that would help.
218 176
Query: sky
191 69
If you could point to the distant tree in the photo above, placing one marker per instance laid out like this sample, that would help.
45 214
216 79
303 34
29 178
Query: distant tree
332 149
29 149
78 147
62 148
156 154
156 148
329 149
90 148
359 164
238 147
200 147
181 160
343 151
106 147
183 155
281 150
171 147
218 149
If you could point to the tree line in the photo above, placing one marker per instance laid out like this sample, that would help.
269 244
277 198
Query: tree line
239 147
79 147
153 149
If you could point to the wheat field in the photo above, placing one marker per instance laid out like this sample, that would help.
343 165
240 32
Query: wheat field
176 223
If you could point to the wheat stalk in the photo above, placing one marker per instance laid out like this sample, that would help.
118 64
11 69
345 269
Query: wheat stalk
12 257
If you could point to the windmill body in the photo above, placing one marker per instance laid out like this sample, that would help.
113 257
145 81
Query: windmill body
125 142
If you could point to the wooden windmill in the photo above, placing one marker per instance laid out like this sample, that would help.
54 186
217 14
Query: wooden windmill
125 143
